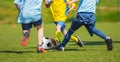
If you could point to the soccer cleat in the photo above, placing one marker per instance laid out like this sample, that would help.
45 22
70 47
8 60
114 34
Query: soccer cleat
59 48
109 44
41 50
54 42
80 43
24 39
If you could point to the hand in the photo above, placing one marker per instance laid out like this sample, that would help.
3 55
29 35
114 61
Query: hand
47 5
72 1
68 3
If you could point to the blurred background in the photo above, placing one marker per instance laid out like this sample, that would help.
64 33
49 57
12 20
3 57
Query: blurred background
107 10
108 20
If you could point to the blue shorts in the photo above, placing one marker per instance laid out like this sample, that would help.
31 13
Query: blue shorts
29 25
62 24
84 18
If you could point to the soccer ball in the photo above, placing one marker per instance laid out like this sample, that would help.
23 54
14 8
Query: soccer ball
47 44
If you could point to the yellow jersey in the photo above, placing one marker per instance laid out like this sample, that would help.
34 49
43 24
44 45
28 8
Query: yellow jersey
58 8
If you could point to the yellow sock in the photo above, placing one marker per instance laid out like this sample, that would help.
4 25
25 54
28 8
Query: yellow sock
58 35
74 38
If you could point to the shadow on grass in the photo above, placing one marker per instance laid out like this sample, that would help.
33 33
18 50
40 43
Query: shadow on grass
17 52
75 49
90 43
86 43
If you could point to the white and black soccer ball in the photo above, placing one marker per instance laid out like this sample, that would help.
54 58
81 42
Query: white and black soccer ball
47 44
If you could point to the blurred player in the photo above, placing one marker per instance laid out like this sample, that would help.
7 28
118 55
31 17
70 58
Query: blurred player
30 14
86 17
58 9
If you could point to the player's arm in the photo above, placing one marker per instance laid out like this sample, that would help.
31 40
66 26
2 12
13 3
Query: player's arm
47 3
18 7
72 1
72 7
17 4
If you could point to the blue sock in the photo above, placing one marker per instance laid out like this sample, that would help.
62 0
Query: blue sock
66 38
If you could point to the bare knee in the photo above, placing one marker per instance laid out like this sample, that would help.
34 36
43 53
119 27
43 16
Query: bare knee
39 27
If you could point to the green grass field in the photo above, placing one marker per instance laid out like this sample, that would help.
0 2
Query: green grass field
94 49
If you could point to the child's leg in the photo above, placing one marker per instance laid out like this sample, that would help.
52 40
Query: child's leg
59 27
58 33
72 37
92 30
40 33
66 38
25 35
26 27
64 31
100 34
26 31
108 40
75 25
39 26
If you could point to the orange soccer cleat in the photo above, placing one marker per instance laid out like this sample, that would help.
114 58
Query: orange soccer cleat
24 39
